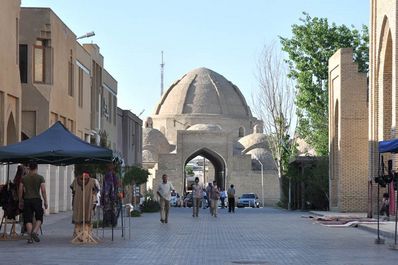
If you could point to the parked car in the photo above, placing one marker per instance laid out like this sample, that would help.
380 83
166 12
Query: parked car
175 200
188 200
248 200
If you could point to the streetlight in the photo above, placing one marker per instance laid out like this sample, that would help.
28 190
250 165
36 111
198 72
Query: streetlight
262 178
87 35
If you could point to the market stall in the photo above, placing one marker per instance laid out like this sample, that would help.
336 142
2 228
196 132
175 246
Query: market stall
58 146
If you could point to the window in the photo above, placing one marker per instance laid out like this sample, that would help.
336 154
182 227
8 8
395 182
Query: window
241 132
110 107
17 40
114 110
80 88
70 125
39 61
23 62
70 75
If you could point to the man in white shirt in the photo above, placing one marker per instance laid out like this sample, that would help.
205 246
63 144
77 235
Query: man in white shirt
164 193
197 191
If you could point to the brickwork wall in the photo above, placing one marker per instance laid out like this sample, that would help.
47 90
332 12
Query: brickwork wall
382 84
348 121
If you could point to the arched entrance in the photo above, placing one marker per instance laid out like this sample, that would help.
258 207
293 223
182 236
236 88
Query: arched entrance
216 160
11 130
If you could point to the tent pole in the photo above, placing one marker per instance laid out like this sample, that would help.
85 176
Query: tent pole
8 175
379 240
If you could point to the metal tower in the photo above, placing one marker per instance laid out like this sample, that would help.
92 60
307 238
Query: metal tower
161 76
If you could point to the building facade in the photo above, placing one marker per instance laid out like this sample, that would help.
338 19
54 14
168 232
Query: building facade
204 114
10 86
58 80
348 135
129 137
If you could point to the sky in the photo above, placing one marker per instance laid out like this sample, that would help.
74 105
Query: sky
226 36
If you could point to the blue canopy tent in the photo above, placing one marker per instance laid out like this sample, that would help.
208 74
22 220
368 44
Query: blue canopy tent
55 146
390 146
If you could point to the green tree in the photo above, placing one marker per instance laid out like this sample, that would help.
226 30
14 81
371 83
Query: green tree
135 175
312 43
189 171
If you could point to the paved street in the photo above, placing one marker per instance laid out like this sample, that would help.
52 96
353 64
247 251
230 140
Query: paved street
251 236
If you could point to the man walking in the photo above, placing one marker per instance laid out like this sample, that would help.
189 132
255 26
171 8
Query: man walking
214 197
231 198
164 192
29 190
196 196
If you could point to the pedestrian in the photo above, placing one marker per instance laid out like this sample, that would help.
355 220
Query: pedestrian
214 197
31 202
204 198
385 206
231 198
223 195
164 192
197 197
208 189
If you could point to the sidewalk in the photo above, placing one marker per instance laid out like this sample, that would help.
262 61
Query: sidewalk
387 228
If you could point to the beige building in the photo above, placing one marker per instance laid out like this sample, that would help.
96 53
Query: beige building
383 105
204 114
62 81
348 135
129 137
347 112
10 86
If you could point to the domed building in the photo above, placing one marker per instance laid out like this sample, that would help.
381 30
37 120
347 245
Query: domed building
204 114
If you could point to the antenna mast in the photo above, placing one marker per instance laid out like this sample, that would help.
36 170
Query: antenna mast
161 76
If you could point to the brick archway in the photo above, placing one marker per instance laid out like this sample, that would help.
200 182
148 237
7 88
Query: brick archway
216 160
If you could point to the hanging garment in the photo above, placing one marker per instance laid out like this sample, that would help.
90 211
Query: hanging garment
77 204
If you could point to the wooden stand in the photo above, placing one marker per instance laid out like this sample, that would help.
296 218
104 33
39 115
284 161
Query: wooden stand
13 234
83 232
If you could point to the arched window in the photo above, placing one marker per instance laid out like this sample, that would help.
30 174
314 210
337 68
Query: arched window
241 132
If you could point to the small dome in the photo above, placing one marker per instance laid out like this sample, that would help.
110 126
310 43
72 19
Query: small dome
254 140
264 156
205 127
154 138
149 156
203 91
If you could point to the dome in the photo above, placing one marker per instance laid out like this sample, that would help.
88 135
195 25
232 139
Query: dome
264 156
205 127
154 139
203 91
149 156
254 140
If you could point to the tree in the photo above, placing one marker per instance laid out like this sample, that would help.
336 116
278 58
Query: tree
309 49
273 103
135 175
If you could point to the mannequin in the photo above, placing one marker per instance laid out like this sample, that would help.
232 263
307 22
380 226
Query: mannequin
108 196
83 187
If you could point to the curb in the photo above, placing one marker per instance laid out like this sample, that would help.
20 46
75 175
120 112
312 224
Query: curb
373 230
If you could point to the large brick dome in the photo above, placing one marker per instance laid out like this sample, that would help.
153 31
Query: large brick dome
203 91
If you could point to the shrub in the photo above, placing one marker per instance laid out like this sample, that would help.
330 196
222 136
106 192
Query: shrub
150 206
135 213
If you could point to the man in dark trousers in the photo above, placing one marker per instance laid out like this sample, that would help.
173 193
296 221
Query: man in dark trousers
29 190
231 198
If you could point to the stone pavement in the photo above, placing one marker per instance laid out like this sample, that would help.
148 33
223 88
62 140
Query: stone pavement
250 236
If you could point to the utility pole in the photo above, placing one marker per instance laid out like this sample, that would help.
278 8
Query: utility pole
161 76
